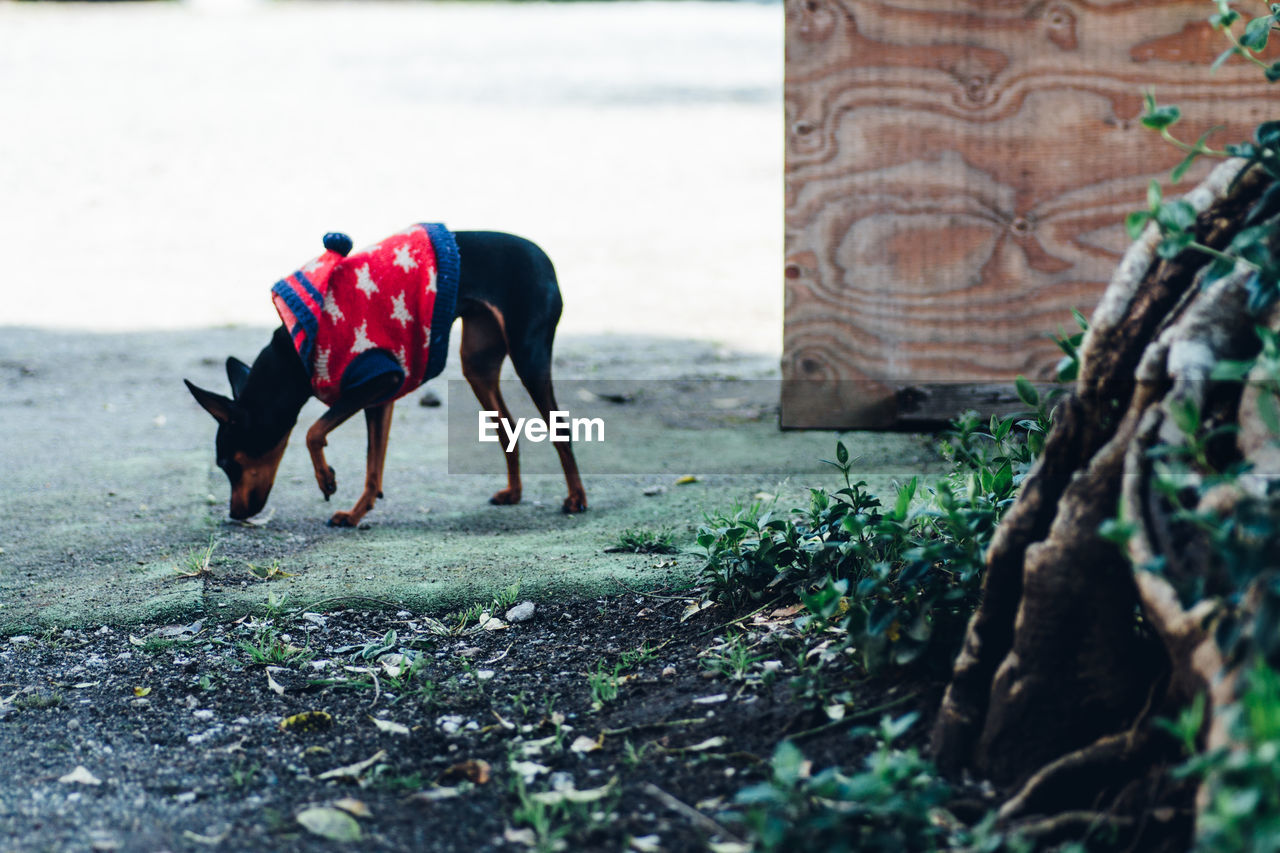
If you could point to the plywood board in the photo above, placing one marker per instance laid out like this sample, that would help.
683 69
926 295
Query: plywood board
957 177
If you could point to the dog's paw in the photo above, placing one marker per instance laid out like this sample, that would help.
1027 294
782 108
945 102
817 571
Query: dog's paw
506 497
327 481
574 503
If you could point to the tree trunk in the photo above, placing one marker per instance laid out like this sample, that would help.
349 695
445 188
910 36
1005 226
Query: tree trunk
1074 651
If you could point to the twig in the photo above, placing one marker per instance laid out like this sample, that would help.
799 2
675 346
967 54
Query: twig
851 717
661 724
737 619
688 811
651 594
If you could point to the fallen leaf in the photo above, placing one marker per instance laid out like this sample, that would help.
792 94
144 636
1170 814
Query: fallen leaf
333 824
709 743
728 847
520 836
307 721
273 684
646 844
694 608
582 743
528 770
390 726
80 776
431 795
835 712
572 795
141 691
210 840
711 700
686 480
475 770
353 771
353 807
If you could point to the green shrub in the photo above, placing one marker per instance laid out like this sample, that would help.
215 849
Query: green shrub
898 580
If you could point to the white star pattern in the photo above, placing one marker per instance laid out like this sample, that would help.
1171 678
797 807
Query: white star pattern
364 281
431 281
399 312
426 334
404 259
403 359
322 365
313 265
362 339
332 308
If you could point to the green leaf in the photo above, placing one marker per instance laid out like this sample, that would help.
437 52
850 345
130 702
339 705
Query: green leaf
1268 134
891 730
1181 169
1228 370
1081 320
1154 196
1273 72
788 763
1173 245
1186 415
1177 215
1226 16
1225 55
842 453
1135 222
1161 118
1256 33
1002 483
1027 392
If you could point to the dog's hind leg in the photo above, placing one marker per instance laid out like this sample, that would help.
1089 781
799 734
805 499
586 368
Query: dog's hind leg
531 356
484 346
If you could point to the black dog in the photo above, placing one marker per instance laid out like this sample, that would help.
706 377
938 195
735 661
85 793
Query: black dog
509 302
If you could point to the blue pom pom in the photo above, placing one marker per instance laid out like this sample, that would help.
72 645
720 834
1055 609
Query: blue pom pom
337 242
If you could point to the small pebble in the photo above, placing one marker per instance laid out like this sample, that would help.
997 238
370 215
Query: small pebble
522 612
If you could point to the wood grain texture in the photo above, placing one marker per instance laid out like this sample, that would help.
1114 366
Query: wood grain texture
957 176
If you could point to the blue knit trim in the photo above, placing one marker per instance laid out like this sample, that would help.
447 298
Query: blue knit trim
286 290
370 365
302 279
448 271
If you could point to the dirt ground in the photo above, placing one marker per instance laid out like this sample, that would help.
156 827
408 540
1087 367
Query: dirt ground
423 734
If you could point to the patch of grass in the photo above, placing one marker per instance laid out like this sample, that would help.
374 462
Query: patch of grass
734 658
269 648
242 774
460 620
158 645
196 563
644 653
38 701
604 684
645 540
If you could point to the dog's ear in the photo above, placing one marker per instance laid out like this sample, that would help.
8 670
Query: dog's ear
237 375
224 411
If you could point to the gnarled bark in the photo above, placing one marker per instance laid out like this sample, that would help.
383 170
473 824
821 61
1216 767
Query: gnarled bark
1073 650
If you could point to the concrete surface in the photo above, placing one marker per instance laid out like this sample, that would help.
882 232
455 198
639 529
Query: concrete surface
109 486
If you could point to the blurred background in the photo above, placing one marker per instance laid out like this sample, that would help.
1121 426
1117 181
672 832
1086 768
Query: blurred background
163 163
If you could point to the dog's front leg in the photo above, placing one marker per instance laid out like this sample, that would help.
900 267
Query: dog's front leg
364 396
378 421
